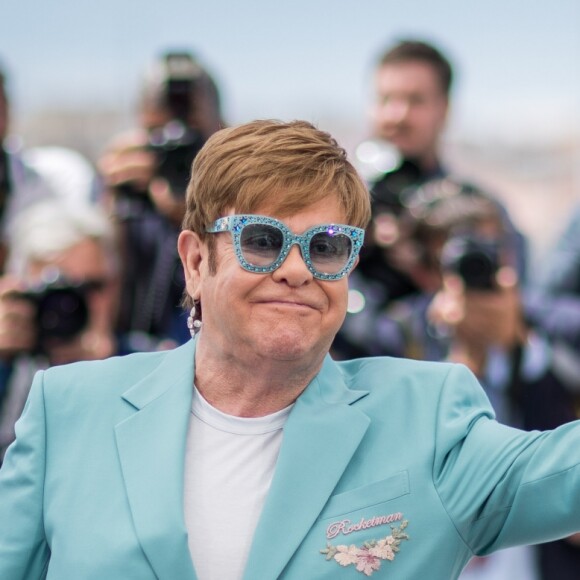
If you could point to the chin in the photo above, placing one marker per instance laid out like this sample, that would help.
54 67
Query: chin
289 347
285 350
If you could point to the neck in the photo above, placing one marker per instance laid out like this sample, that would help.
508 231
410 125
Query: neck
250 388
428 163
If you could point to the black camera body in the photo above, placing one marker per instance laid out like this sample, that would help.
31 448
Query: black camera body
176 143
474 259
62 310
175 146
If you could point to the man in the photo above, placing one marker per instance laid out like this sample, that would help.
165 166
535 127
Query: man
57 304
412 82
20 185
412 85
248 452
146 172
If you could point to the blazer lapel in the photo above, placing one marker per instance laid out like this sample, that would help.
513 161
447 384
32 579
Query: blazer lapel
322 433
151 446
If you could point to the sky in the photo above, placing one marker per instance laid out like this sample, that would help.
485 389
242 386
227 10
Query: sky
517 61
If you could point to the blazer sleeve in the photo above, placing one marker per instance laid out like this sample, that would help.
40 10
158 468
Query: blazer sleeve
24 552
502 486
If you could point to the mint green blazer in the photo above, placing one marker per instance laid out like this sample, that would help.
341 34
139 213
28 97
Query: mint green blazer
389 468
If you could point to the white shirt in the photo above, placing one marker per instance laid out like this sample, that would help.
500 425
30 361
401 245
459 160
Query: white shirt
229 465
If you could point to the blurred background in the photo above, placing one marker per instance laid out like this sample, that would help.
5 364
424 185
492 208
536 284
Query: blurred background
75 66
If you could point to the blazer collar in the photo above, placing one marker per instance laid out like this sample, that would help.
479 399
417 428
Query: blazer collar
323 430
151 446
321 435
176 366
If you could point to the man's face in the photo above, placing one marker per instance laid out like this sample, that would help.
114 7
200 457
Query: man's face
287 315
410 108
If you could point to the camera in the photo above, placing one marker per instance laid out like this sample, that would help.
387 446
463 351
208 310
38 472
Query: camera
62 311
175 146
176 143
474 259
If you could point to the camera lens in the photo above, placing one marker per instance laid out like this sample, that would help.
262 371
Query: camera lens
62 313
475 260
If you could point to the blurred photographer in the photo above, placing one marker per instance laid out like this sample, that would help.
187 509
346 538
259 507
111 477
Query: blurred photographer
517 341
412 86
146 173
20 184
58 303
454 246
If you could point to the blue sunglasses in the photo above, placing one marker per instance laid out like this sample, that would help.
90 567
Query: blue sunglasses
262 243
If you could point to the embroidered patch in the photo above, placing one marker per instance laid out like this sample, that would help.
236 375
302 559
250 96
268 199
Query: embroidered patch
367 559
347 527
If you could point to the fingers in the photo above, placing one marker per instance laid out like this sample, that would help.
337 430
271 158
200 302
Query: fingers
128 167
166 201
128 161
89 345
481 318
385 229
17 319
506 278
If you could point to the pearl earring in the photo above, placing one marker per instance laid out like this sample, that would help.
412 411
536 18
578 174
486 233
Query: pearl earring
193 323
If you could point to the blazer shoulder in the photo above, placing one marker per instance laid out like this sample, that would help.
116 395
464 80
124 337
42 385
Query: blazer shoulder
382 375
116 373
381 368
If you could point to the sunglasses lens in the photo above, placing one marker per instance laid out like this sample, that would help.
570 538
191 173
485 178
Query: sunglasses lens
329 252
261 244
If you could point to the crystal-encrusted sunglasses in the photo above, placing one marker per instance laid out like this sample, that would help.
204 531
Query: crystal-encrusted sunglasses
262 243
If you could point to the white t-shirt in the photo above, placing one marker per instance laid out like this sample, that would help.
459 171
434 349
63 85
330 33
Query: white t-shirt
229 465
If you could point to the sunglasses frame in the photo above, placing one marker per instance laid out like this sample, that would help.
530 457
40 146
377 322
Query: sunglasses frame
236 223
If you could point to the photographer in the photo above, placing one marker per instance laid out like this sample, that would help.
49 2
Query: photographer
471 310
20 185
412 90
58 303
146 172
454 247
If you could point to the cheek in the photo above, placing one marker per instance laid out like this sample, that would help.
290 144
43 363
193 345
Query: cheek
337 298
229 284
432 118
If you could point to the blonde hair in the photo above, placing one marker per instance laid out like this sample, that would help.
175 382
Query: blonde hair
284 166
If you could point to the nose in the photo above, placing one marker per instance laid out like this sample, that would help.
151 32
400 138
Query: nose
293 270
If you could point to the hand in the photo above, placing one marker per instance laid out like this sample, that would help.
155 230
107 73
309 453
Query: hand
89 345
17 319
166 202
385 230
480 319
128 162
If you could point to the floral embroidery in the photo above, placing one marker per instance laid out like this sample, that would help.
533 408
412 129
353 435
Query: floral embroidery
367 559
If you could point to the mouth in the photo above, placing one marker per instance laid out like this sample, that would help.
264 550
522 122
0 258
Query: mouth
291 304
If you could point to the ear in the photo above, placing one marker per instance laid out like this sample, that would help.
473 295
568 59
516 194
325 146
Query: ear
193 254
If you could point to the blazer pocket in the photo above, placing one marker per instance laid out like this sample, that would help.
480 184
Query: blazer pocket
367 495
